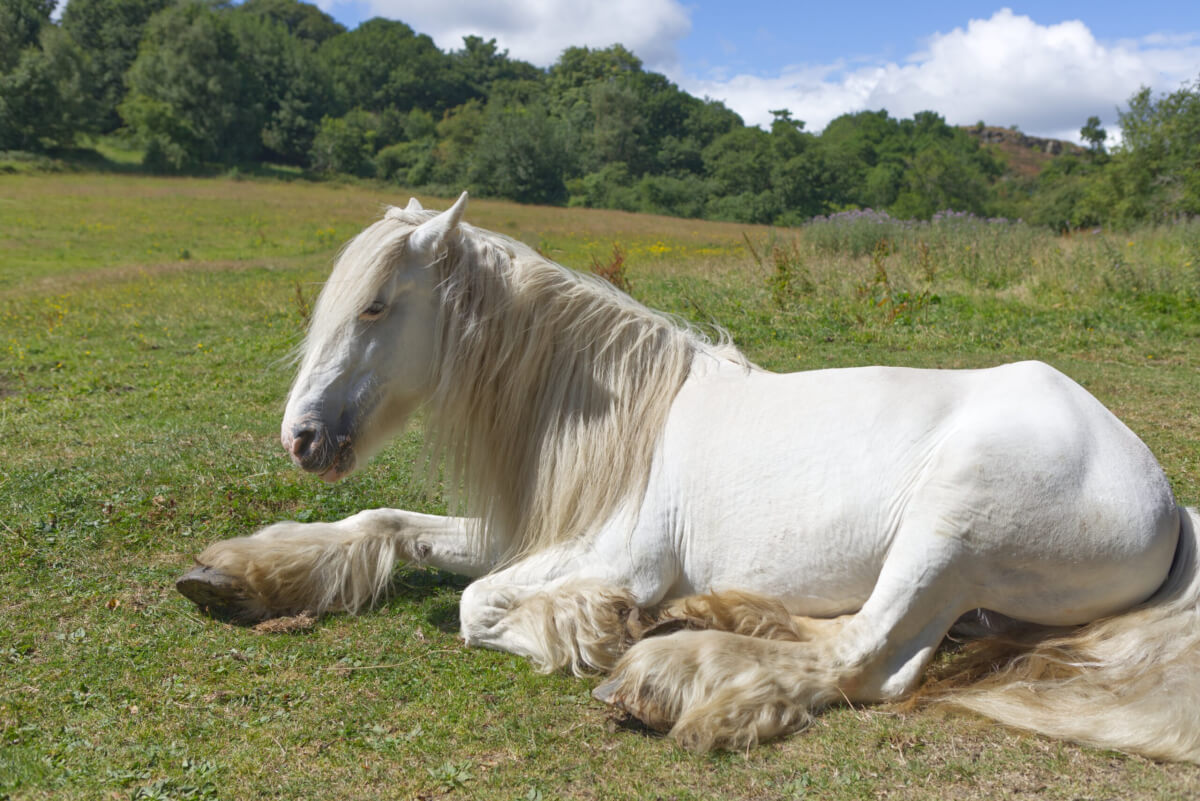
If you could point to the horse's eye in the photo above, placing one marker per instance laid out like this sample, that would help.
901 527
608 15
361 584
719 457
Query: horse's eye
374 310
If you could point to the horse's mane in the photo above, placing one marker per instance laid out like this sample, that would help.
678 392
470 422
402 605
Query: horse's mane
553 389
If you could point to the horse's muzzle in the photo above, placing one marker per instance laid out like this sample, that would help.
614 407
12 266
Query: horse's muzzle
317 449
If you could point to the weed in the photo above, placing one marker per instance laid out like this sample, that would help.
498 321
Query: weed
614 270
452 775
786 274
303 306
883 299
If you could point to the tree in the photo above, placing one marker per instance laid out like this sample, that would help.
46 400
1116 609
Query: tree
1156 169
481 65
21 23
383 63
521 155
46 99
301 20
1093 134
345 144
109 31
457 134
618 129
284 76
192 98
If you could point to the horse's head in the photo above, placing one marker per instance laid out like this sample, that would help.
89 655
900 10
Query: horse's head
368 360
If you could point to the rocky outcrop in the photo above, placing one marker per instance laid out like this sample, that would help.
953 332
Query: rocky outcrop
1007 136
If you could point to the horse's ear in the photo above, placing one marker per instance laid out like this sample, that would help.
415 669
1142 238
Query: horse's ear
414 205
429 235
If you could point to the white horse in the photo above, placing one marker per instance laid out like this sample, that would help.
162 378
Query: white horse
738 548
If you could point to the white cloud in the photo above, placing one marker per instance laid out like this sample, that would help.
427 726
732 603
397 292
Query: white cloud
539 30
1004 70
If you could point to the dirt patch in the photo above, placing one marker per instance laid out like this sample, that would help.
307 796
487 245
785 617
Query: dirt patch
6 389
286 625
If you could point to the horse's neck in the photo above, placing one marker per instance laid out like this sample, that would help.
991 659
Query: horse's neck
557 425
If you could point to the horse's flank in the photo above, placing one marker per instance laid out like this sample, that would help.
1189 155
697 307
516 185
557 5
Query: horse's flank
551 391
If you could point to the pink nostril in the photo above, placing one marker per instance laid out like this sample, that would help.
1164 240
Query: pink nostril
301 442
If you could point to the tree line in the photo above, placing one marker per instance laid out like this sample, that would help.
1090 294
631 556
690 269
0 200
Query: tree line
195 84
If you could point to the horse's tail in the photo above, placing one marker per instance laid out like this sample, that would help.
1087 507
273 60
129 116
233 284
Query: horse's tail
1129 682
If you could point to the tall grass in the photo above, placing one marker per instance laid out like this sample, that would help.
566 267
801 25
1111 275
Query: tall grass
966 254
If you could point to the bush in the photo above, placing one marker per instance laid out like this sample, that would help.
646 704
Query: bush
607 188
396 162
681 197
345 144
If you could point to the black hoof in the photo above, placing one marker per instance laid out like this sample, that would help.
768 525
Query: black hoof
217 594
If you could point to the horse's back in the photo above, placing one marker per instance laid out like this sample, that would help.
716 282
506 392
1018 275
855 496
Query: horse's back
798 484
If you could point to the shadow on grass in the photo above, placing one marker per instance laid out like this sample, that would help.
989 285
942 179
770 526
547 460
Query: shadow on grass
434 591
92 160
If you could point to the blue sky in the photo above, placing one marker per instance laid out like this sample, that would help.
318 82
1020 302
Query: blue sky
1043 66
763 37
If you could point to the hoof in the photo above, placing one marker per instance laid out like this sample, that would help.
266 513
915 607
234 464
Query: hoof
218 594
640 705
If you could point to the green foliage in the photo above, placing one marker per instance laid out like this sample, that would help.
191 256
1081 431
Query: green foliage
1158 163
606 188
109 31
288 82
21 23
480 65
1093 134
384 64
521 154
47 99
683 196
224 86
192 97
345 144
302 20
396 162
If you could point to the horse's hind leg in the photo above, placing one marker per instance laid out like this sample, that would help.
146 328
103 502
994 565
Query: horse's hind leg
721 689
291 567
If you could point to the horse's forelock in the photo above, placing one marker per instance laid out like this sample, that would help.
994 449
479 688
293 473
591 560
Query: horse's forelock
363 266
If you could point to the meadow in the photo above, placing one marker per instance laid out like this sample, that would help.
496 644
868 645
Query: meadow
146 328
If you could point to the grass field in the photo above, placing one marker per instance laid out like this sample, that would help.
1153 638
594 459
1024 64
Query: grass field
145 329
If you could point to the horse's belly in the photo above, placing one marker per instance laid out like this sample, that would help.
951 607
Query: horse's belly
810 578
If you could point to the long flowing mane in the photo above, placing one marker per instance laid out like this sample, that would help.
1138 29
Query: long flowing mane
553 388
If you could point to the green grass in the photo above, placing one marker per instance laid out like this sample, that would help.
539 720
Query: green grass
145 329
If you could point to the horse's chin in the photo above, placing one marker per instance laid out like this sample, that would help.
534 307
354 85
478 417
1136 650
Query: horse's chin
342 466
333 475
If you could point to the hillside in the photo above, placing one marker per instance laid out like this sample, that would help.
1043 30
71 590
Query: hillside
1024 155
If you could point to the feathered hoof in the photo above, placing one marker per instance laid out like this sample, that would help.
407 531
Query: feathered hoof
713 689
219 595
640 702
653 682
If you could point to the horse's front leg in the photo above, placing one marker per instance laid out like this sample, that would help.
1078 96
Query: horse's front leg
291 567
567 606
